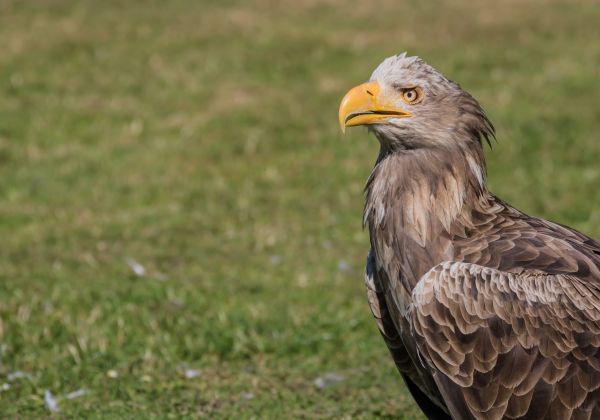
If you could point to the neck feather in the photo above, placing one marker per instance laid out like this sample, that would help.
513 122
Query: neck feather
423 193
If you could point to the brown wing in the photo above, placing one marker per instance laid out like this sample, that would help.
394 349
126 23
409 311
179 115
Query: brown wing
510 345
376 297
423 389
509 240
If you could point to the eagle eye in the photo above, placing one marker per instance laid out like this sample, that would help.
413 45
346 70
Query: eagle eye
412 95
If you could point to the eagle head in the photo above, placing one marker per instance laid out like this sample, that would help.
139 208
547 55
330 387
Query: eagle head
408 104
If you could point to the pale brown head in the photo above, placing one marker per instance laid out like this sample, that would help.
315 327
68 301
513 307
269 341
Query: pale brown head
408 104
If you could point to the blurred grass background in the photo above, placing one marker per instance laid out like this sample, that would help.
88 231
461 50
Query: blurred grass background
200 140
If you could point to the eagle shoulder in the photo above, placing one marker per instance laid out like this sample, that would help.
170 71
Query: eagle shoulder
502 344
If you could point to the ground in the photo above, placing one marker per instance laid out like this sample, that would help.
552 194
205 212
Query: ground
196 143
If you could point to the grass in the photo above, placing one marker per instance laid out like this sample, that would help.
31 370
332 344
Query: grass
200 140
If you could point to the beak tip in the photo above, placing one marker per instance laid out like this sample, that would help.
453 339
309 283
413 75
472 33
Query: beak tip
358 98
342 120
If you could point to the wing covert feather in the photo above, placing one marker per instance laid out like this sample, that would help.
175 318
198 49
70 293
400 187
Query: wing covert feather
511 344
422 388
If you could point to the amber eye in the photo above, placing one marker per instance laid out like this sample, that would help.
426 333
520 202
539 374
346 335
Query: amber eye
412 95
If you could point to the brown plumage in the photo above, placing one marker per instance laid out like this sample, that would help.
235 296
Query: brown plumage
488 313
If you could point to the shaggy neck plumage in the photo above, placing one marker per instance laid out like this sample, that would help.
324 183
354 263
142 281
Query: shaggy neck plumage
422 192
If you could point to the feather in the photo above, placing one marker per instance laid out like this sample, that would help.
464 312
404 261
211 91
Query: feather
487 312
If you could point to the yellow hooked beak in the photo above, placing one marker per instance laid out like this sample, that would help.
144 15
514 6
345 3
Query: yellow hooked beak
365 104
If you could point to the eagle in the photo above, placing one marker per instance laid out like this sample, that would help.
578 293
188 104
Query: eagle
488 313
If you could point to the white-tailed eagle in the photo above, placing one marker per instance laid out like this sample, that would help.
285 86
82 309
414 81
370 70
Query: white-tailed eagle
488 313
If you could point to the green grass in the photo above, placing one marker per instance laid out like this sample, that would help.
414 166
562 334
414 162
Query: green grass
200 139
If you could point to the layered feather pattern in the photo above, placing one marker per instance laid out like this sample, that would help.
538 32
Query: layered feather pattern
488 313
